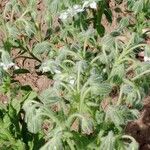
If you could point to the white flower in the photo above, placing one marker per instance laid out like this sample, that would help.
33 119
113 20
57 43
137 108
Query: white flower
85 4
57 71
93 5
72 81
104 70
146 58
77 8
44 68
63 16
70 12
16 67
7 66
90 4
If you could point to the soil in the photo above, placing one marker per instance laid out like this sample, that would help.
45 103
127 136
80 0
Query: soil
119 11
139 129
3 98
32 78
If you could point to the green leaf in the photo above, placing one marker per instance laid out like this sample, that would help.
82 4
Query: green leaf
118 70
41 48
30 96
119 115
50 66
133 145
118 73
16 105
27 26
12 31
100 29
138 6
6 59
81 66
101 89
99 116
55 143
108 15
147 51
50 96
6 121
124 22
33 116
107 42
87 125
108 142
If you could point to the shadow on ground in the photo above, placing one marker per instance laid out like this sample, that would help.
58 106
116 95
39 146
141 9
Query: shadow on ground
140 129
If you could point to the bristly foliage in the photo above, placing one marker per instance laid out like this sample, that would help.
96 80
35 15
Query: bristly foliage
98 83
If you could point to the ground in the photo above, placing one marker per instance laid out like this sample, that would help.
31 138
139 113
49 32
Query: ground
139 129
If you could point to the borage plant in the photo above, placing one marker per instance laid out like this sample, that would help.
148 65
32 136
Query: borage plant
72 109
79 111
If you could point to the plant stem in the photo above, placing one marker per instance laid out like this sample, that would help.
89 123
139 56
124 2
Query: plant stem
30 53
82 98
140 75
78 80
84 48
127 51
120 96
95 59
100 12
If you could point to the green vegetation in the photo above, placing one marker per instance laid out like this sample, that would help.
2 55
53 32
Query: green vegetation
98 84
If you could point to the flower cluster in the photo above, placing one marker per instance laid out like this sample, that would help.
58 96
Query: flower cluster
8 66
146 59
70 12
